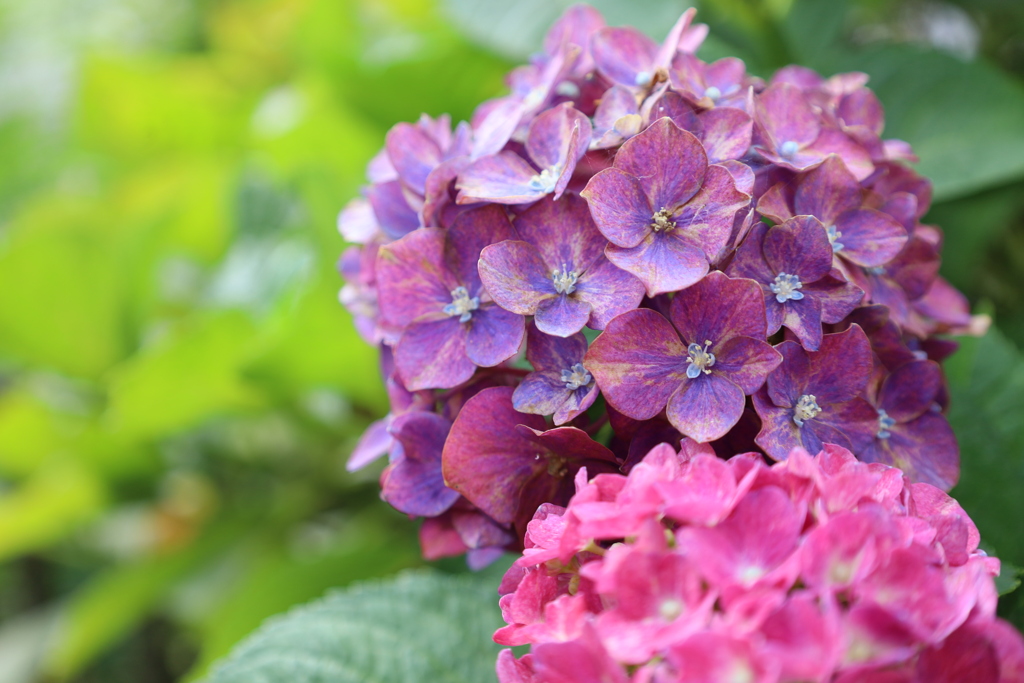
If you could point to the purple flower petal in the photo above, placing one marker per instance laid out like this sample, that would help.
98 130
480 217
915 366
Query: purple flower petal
708 217
663 262
563 232
414 485
541 393
803 318
839 371
910 390
577 404
669 162
562 315
637 361
609 290
495 335
473 230
870 238
548 353
394 215
375 442
624 55
786 384
412 279
485 458
504 178
557 139
836 297
786 116
727 133
515 277
779 434
718 308
746 362
827 192
799 247
620 207
495 127
832 141
924 448
431 354
705 408
414 154
617 111
856 419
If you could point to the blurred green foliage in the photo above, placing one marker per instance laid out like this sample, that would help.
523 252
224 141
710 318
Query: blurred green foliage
179 388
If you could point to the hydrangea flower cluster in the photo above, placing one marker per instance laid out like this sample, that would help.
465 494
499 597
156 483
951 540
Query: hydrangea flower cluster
636 247
695 569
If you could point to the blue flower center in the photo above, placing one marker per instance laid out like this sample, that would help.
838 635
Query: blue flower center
806 408
786 287
701 360
885 423
544 181
833 239
576 377
462 304
788 148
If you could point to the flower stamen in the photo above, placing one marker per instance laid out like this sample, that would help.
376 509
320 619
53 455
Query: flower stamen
576 377
662 221
833 239
806 408
565 280
544 181
462 304
786 286
701 360
885 423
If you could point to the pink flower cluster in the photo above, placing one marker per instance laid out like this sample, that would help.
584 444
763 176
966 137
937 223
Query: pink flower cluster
694 569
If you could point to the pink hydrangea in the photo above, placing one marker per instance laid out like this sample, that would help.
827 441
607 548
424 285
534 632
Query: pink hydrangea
694 569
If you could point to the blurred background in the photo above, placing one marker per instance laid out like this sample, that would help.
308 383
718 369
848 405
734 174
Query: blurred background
179 388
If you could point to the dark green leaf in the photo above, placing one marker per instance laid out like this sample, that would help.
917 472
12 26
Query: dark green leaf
986 379
419 627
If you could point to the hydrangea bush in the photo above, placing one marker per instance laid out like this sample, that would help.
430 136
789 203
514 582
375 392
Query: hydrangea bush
638 250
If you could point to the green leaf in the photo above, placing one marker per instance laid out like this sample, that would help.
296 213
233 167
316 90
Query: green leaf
273 578
190 375
986 378
421 626
1008 579
47 508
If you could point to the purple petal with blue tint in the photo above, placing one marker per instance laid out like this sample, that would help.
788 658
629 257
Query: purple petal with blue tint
663 262
432 354
562 315
514 276
705 408
495 335
394 215
414 485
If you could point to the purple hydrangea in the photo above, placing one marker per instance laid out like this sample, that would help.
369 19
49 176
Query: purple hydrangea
635 247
